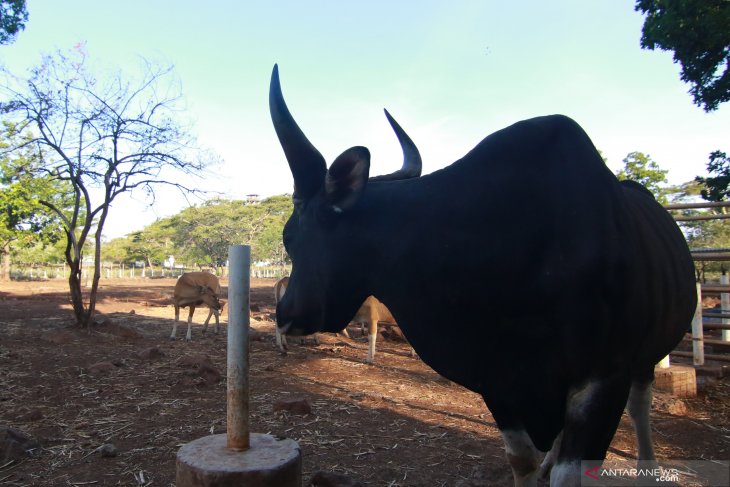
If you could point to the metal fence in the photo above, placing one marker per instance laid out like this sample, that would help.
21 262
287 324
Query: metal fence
708 320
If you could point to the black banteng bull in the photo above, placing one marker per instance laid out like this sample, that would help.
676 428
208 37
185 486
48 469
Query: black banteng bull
533 211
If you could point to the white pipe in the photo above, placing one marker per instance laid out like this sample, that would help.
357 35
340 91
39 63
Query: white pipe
238 323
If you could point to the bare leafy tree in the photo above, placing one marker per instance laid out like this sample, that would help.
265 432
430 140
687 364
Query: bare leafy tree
105 137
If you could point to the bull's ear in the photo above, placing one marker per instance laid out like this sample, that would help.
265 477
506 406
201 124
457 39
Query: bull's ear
346 178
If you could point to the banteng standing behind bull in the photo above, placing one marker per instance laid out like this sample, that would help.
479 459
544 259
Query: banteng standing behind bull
531 210
370 313
195 289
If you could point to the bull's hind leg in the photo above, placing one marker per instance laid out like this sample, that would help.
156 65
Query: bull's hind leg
550 458
592 415
639 407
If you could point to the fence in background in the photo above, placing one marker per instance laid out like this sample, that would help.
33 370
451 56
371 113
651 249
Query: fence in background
121 271
708 320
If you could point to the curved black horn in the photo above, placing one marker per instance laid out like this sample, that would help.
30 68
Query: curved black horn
411 157
306 163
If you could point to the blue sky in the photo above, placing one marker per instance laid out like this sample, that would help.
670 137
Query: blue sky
450 72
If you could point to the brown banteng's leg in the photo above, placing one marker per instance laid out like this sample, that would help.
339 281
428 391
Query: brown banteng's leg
281 342
217 321
189 336
177 318
523 457
372 334
210 313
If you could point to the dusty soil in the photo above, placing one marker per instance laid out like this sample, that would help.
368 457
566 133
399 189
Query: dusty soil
125 383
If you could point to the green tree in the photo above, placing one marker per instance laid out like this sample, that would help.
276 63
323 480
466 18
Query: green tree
205 232
117 250
717 186
23 223
641 168
268 244
104 137
13 16
698 31
152 245
201 235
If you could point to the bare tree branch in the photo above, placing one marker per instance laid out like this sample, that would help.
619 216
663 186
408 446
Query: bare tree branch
106 137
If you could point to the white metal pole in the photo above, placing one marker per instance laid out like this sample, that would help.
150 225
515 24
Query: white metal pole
698 344
239 257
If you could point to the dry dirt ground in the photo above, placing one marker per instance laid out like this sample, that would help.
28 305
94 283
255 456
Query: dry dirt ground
125 383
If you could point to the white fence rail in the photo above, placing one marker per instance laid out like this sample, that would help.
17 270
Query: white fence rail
122 271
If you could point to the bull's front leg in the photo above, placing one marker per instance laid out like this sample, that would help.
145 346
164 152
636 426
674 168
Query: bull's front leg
189 336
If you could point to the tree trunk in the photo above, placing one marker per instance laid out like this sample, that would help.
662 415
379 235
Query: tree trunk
77 298
5 266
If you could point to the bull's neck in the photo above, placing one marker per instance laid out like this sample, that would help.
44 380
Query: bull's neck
378 227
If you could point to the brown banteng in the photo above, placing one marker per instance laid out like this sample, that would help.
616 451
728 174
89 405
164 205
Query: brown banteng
195 289
281 342
370 313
